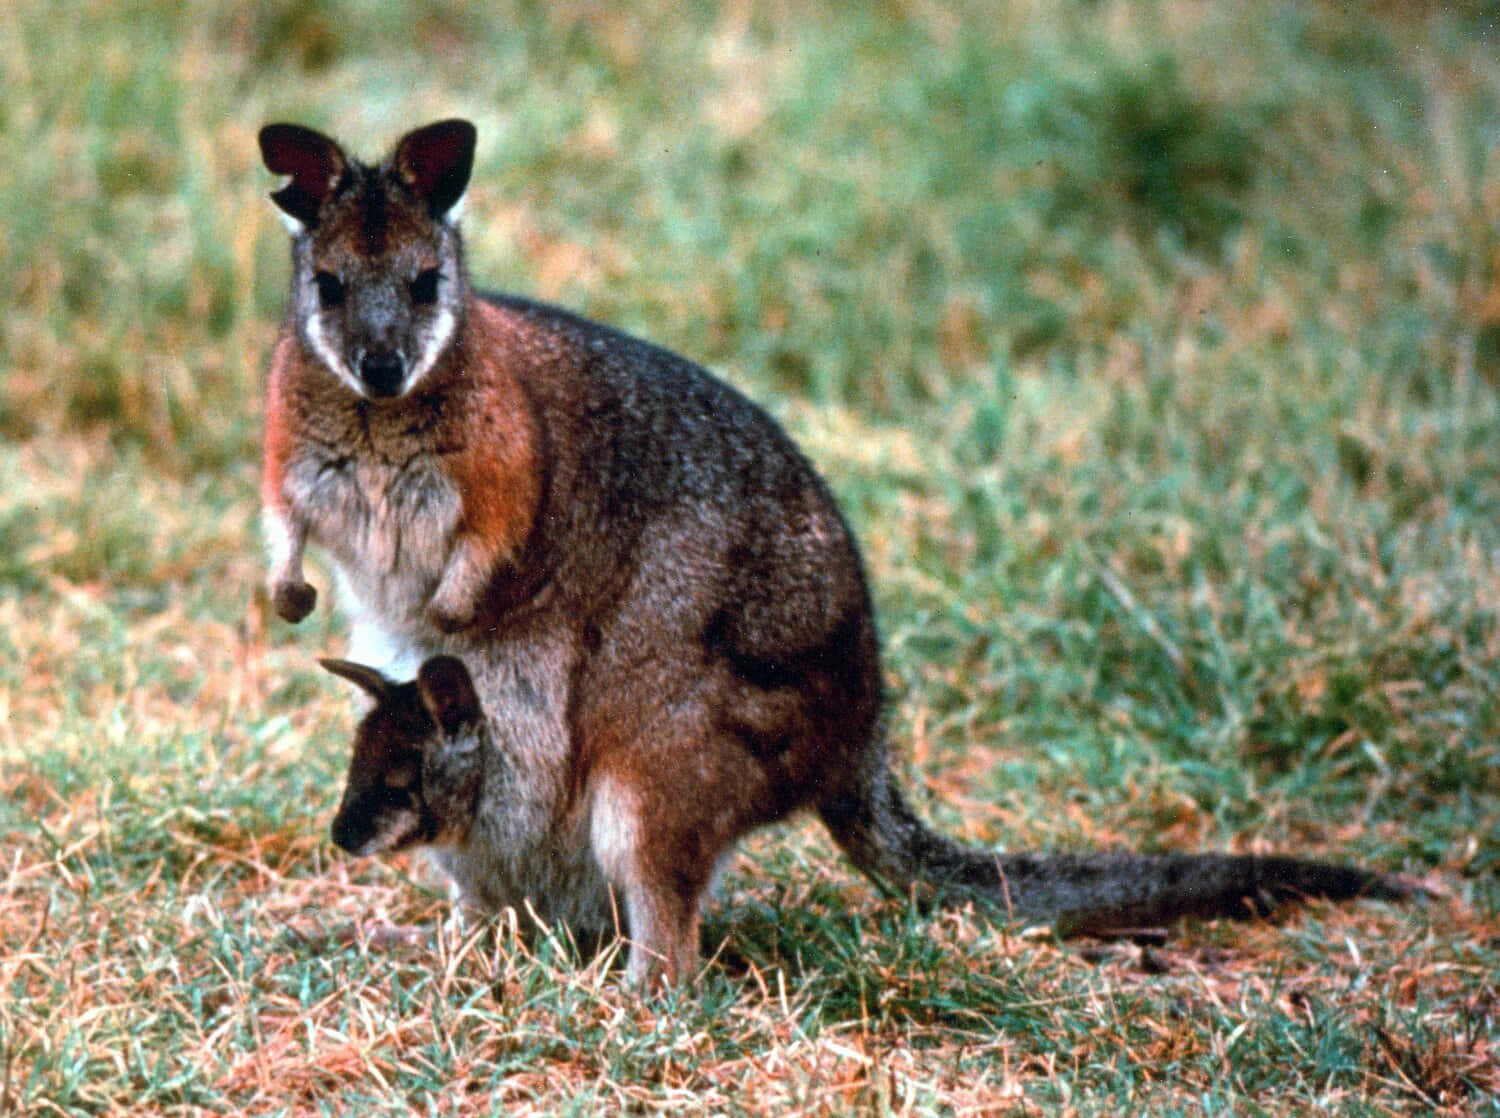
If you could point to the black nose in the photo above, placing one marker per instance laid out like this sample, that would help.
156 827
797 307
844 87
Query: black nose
382 373
346 836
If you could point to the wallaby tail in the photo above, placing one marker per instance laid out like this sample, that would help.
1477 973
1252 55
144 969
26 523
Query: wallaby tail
1078 893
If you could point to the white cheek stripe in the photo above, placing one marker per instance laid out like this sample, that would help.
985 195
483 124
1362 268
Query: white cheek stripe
437 341
328 355
394 829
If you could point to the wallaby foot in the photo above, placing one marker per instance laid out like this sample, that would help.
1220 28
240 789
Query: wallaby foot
379 935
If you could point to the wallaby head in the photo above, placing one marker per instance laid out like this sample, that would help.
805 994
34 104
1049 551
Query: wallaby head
418 759
378 284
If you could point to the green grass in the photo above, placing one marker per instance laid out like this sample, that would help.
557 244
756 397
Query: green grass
1154 351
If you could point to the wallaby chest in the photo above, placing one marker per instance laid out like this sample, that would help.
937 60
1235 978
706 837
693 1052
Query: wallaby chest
381 501
421 501
375 513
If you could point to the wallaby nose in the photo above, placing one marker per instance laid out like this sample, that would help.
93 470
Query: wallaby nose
382 373
346 836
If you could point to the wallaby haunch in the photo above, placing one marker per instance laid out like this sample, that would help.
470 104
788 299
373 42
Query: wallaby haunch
661 625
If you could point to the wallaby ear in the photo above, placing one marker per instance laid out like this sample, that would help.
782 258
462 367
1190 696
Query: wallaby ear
435 161
447 691
315 163
367 679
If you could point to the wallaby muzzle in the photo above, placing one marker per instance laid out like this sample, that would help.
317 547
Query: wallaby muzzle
382 373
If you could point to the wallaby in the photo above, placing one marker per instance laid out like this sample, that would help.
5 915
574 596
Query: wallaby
655 603
428 772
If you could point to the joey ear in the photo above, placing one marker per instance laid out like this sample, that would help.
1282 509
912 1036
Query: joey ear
315 163
447 691
435 161
366 678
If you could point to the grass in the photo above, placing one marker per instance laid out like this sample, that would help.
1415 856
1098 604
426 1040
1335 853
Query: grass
1159 378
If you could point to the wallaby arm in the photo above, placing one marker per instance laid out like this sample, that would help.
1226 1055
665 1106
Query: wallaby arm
292 596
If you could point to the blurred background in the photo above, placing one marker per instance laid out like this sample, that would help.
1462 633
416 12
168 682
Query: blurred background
860 207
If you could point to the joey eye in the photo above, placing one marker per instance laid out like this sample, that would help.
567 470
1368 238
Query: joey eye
330 289
401 777
424 288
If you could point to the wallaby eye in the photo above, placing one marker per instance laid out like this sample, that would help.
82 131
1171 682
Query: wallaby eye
330 289
424 288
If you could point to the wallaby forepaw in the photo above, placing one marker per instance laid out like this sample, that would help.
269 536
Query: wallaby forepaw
293 600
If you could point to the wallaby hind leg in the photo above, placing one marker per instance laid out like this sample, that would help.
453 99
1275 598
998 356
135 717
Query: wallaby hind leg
660 887
663 815
664 951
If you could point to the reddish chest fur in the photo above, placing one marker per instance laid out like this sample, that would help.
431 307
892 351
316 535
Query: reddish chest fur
496 457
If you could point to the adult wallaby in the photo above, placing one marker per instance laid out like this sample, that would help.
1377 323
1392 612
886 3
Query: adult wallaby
663 630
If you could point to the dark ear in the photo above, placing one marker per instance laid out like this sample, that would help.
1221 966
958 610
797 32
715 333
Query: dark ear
313 160
435 161
367 679
448 693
